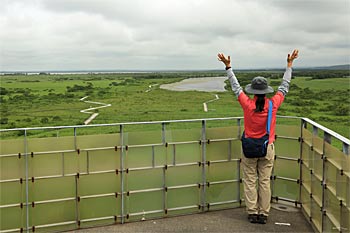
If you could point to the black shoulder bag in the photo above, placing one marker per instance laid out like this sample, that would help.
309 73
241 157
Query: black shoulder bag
257 147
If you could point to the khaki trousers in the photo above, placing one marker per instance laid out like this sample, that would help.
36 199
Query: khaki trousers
257 198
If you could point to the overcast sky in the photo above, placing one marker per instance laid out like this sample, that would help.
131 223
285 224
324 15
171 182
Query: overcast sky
171 34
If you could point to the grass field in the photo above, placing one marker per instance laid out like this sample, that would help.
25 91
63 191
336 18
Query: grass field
47 100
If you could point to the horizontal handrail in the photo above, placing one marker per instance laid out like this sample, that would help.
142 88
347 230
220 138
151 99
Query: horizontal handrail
328 131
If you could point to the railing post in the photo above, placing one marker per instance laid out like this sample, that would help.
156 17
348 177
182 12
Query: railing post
27 177
122 171
326 139
203 138
342 207
301 139
346 148
163 133
239 164
75 138
164 170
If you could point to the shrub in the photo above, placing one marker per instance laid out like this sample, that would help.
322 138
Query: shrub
4 120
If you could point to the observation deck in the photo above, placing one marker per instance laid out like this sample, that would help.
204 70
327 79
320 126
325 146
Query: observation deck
76 177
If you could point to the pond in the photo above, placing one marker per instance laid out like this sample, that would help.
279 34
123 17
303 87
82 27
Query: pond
208 84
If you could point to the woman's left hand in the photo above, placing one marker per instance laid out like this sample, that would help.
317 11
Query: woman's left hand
225 60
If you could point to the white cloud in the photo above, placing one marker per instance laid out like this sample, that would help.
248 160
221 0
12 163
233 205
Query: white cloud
170 34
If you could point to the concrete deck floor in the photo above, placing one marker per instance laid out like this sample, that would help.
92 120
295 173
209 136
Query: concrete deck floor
231 220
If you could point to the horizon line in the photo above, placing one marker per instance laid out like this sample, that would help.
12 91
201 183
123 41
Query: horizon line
161 70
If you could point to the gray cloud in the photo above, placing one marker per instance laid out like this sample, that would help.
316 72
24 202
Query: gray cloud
170 34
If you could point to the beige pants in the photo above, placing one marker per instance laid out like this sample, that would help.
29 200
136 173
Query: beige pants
257 199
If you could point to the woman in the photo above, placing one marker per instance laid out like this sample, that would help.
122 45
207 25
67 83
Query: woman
255 117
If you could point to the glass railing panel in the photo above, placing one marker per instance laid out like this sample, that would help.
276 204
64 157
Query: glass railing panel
74 162
102 160
316 215
236 149
52 189
12 167
97 141
307 136
345 218
144 205
218 151
41 165
183 135
13 218
336 181
289 148
306 177
175 176
292 131
328 224
142 138
218 194
160 155
316 189
286 168
98 210
286 189
52 213
332 207
305 200
347 188
306 155
188 198
144 179
183 153
12 146
50 144
139 157
317 144
222 171
222 133
317 164
12 193
91 184
337 157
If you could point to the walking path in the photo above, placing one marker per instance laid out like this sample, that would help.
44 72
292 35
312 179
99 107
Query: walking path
88 110
205 106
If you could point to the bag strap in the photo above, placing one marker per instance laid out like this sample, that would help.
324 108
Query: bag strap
269 118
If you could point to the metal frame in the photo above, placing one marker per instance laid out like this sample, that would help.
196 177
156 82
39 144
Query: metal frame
203 185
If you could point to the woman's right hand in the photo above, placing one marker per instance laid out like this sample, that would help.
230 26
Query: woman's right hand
225 60
291 58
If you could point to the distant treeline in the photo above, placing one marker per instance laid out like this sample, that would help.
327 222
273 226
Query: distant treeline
322 74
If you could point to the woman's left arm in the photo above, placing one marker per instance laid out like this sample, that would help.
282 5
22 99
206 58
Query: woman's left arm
236 88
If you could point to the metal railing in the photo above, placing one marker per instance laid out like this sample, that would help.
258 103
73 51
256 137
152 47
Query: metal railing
174 168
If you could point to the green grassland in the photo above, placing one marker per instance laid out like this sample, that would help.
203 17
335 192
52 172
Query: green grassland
54 100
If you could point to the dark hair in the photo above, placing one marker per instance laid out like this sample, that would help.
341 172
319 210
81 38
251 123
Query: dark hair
260 103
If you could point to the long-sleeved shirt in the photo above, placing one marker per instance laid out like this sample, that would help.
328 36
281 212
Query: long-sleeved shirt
255 122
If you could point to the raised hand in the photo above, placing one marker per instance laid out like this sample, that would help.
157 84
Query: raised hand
291 58
225 60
